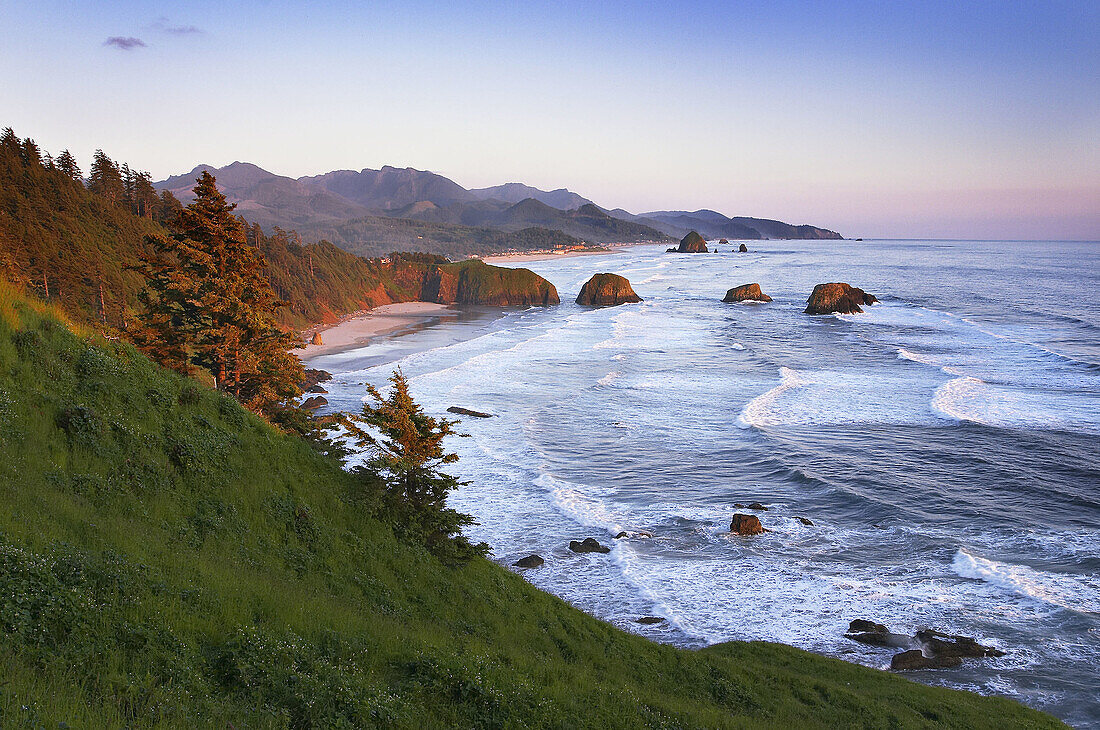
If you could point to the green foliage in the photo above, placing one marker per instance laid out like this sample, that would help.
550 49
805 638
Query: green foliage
408 455
209 304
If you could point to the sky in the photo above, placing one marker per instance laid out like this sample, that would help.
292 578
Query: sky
930 119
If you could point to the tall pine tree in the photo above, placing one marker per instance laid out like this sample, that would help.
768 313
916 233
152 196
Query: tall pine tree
208 304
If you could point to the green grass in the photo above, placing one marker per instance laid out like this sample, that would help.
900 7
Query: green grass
168 560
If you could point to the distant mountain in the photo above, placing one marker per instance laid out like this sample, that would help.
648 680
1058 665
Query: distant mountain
391 187
715 225
587 222
513 192
266 198
358 211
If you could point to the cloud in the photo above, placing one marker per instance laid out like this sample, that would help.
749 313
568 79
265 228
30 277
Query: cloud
164 25
124 43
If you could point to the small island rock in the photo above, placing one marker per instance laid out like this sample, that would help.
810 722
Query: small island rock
742 248
692 243
467 412
746 525
531 561
649 620
837 297
607 290
746 293
588 545
723 242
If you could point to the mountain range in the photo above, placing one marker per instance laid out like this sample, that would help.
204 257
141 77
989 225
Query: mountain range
371 212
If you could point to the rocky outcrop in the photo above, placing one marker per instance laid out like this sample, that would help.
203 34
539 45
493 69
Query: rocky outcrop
806 521
937 650
916 659
875 634
723 242
746 525
476 282
316 339
746 293
950 645
752 505
588 545
315 402
742 248
607 290
692 243
839 298
312 377
531 561
467 412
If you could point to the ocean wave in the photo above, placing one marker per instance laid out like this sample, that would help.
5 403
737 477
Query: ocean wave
758 411
972 399
1072 592
581 504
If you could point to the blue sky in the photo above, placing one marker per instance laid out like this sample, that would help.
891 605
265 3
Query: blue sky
930 119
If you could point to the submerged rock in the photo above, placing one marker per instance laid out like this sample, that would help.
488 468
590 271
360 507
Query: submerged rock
649 620
467 412
806 521
588 545
692 243
746 525
837 297
607 290
915 659
948 645
742 248
315 402
875 634
758 507
746 293
531 561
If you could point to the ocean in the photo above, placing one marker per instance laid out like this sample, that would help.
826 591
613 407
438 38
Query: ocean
945 444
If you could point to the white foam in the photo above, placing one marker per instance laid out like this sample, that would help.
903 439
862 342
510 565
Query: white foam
758 411
971 399
737 346
1073 592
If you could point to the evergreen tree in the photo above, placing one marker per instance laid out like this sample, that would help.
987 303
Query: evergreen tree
144 195
66 163
408 457
209 304
105 180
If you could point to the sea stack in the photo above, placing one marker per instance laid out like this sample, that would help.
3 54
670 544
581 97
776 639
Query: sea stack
316 339
692 243
607 290
839 298
742 248
746 293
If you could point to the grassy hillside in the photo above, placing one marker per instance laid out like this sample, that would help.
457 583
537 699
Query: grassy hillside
168 560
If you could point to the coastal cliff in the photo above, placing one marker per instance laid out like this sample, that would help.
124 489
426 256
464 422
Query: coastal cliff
476 282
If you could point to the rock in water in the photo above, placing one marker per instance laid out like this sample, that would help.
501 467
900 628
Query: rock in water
869 632
746 293
746 525
948 645
467 412
806 521
692 243
476 282
531 561
607 290
588 545
312 404
915 659
837 297
723 242
649 620
758 507
742 248
316 339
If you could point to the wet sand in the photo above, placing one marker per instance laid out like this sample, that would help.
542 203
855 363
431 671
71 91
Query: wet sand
358 330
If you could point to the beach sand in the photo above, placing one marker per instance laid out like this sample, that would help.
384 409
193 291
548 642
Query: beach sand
521 257
357 330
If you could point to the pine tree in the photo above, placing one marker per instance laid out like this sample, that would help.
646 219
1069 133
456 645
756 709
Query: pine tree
66 163
408 456
105 180
209 304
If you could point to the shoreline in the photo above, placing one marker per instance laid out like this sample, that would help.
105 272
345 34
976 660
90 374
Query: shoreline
357 329
523 257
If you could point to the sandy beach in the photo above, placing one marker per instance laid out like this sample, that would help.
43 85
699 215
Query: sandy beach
521 257
359 329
